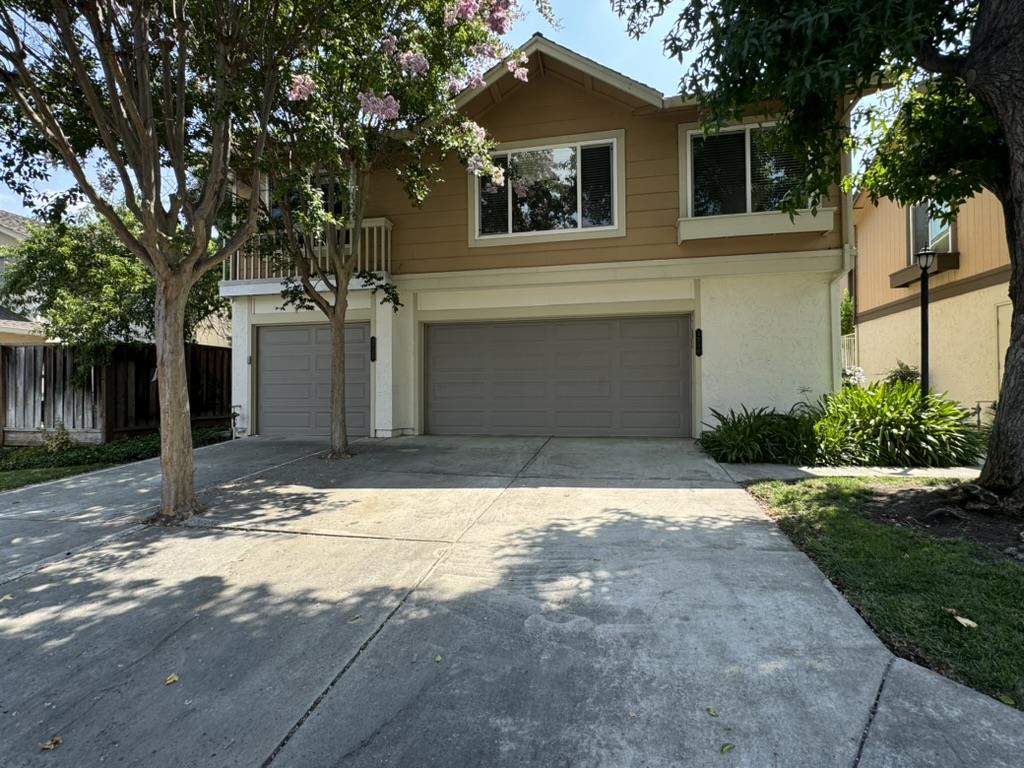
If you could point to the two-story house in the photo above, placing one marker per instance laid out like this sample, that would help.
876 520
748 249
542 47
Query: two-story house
15 328
969 304
631 276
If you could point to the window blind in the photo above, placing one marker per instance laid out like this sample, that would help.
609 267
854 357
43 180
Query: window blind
719 174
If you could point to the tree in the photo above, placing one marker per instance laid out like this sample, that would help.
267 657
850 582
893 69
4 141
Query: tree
847 315
958 110
90 291
377 96
169 99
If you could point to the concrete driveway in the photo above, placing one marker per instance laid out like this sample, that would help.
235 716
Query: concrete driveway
468 602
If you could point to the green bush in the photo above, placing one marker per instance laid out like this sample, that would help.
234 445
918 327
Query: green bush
903 373
763 435
888 425
116 452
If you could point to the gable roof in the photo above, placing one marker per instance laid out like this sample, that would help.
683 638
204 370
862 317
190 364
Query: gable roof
540 45
14 224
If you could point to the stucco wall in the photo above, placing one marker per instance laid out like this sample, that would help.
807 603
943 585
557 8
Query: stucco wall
767 340
766 337
967 344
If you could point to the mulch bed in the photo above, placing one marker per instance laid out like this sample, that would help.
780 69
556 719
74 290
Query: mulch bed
948 511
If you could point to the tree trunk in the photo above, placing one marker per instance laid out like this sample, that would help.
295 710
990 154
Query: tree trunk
1004 465
994 72
178 499
339 419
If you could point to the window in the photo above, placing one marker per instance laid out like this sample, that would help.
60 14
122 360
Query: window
739 171
934 232
563 188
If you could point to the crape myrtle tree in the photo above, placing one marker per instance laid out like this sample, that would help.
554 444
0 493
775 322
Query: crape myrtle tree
166 98
953 71
376 97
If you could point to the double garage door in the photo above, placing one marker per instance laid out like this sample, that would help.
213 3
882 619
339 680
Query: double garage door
590 377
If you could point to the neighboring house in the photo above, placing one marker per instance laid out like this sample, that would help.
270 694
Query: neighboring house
15 328
630 277
969 307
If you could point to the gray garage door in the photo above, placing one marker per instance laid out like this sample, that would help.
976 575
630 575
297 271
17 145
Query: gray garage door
294 379
602 377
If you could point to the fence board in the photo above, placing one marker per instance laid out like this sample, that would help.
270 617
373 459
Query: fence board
39 393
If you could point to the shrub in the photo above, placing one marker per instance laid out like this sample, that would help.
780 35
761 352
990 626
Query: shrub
763 435
59 440
903 373
887 424
115 452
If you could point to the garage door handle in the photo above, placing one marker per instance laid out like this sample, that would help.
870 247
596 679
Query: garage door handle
698 342
373 349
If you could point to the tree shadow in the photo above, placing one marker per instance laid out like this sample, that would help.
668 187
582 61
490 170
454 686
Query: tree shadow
552 633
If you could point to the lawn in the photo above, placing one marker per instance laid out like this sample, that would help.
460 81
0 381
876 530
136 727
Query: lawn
950 604
16 478
20 466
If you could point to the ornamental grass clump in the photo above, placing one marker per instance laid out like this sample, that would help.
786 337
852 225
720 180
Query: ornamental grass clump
889 425
762 435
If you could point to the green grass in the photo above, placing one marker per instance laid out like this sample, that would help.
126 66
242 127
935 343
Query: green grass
16 478
905 583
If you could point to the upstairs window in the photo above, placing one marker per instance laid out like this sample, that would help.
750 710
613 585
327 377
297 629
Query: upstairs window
562 188
739 171
928 231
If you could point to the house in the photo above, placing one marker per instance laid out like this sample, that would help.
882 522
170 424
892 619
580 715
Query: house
15 328
632 276
969 305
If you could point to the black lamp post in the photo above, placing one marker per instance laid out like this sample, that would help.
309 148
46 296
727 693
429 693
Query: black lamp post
925 259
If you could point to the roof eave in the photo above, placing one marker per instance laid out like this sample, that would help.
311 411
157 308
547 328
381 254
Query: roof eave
539 43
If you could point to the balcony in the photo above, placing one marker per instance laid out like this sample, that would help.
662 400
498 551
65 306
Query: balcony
261 266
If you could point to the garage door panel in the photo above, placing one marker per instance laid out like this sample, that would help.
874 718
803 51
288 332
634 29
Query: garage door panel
294 380
591 377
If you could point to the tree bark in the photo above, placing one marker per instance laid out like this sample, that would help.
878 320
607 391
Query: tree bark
1004 465
178 499
993 72
339 419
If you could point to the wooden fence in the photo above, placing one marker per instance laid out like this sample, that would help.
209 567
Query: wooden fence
39 394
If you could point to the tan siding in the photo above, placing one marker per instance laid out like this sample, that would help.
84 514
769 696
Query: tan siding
883 248
436 236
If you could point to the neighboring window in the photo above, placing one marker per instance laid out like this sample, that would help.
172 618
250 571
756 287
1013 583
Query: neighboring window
935 232
550 189
739 171
332 198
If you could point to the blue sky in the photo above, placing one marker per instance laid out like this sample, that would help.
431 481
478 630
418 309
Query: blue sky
588 27
591 28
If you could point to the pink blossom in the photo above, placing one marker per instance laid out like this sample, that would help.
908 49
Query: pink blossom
518 67
413 63
474 131
302 88
501 16
475 164
463 10
476 80
389 45
383 108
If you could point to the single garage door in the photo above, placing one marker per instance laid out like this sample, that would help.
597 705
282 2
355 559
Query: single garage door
591 377
294 380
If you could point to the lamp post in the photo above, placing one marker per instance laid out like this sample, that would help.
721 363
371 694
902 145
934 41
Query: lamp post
925 259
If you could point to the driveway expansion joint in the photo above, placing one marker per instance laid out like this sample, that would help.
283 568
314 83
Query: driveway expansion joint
873 711
391 614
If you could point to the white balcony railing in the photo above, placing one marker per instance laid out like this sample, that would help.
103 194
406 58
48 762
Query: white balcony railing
263 258
850 358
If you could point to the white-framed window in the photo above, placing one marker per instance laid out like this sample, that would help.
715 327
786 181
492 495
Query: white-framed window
738 171
926 230
562 188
